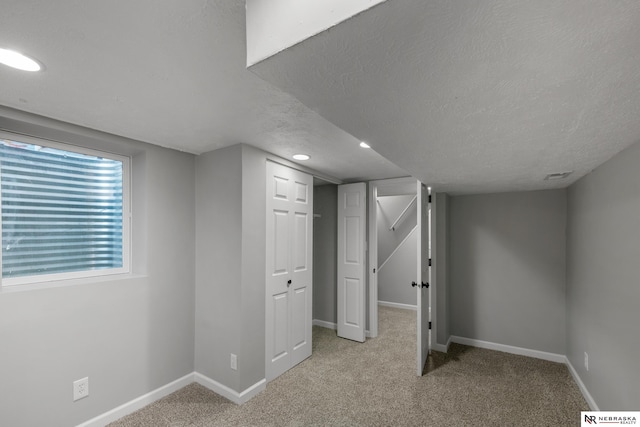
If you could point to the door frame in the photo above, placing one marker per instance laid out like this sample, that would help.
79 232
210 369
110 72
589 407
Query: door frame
423 274
372 264
393 186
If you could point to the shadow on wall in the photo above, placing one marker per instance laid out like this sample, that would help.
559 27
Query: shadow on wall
325 249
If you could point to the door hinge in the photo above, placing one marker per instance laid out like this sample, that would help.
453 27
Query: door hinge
429 325
374 270
429 198
429 262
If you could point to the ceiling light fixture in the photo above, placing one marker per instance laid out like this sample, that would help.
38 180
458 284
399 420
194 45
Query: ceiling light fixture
17 60
364 145
558 175
301 157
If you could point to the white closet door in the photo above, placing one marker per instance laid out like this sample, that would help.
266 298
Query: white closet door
352 221
289 268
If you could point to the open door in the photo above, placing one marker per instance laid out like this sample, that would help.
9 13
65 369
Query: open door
352 221
423 277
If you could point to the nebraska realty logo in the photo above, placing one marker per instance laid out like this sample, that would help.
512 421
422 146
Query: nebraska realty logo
629 418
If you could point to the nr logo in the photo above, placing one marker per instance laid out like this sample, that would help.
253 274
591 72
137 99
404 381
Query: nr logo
591 419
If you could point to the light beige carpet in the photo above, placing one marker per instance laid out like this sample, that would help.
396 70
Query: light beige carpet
374 384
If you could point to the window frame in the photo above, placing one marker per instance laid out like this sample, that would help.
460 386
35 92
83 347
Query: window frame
126 215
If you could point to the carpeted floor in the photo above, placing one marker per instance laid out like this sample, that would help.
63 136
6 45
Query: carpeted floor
374 384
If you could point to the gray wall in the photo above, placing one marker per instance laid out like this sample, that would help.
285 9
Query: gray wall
395 277
388 210
130 335
230 265
441 312
400 269
603 286
325 230
507 268
251 360
218 263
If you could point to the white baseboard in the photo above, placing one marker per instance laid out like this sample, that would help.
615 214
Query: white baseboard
583 389
439 347
334 326
138 403
442 348
244 396
325 324
398 305
146 399
552 357
232 395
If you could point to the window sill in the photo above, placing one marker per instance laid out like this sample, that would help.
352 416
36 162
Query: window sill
70 282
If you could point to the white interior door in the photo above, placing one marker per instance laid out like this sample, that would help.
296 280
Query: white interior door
423 277
289 268
352 221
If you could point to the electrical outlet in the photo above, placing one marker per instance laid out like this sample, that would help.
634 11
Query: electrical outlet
586 361
234 362
80 389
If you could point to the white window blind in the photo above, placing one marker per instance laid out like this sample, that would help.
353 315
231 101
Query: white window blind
62 211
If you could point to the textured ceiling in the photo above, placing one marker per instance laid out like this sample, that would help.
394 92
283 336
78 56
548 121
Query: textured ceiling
170 73
477 96
468 96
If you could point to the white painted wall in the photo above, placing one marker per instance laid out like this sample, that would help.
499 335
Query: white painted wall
129 336
603 286
275 25
507 268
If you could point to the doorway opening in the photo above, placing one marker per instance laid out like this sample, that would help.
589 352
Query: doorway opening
397 226
404 202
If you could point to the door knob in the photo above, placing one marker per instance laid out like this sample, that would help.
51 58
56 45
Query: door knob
425 285
288 283
414 284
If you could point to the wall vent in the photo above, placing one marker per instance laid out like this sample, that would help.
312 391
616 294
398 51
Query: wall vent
558 175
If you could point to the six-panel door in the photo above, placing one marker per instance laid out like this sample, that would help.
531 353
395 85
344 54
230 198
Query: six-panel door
288 320
351 263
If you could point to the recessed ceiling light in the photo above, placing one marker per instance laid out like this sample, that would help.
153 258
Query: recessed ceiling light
364 145
558 175
17 60
301 157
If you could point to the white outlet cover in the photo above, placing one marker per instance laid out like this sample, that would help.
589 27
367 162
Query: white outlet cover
80 388
586 361
234 362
